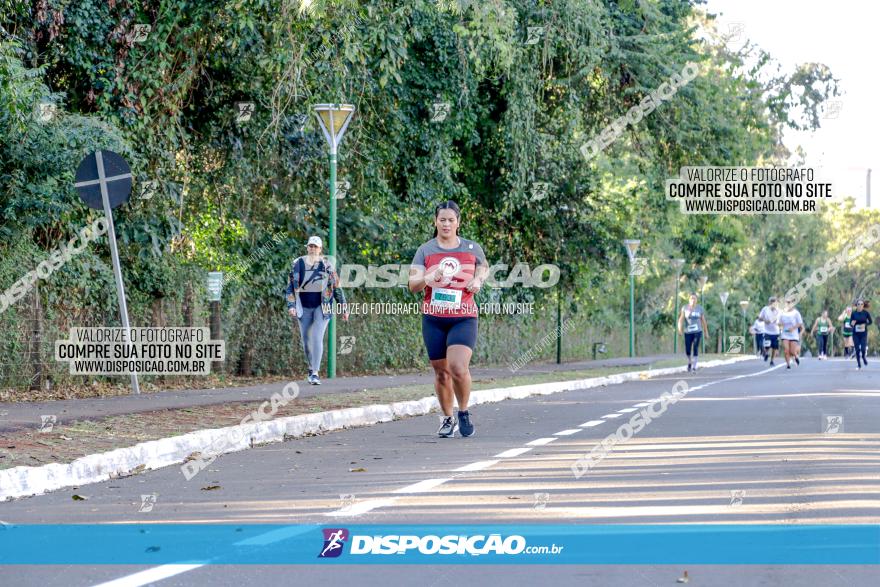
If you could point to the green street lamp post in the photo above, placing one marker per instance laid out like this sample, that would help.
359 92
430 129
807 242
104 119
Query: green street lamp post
677 264
632 246
744 304
334 119
703 279
723 295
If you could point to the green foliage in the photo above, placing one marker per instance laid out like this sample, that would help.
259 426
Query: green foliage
519 112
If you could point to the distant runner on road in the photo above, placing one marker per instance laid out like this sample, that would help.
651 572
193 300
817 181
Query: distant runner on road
692 324
823 326
770 317
758 330
860 320
792 324
847 332
450 270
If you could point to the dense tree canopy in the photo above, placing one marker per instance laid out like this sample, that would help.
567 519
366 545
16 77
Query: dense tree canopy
527 84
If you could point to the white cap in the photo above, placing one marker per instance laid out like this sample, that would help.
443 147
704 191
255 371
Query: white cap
315 240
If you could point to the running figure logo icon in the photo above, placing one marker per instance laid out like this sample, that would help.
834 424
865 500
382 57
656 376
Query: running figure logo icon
832 424
735 344
334 540
346 344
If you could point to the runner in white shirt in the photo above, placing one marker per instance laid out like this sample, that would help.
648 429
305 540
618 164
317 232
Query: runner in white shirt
792 324
758 330
770 317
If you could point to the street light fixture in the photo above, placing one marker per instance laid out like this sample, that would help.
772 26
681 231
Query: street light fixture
723 295
334 119
677 264
632 246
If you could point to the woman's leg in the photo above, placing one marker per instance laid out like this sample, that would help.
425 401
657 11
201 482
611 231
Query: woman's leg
315 336
443 385
458 358
305 325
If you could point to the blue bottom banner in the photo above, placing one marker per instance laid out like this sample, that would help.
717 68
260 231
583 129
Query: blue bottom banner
138 544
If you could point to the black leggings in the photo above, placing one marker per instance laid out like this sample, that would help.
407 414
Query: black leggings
822 339
692 343
861 341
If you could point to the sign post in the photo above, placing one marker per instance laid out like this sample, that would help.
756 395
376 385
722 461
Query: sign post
215 290
103 181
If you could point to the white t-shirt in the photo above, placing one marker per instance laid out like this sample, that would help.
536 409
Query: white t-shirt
758 327
790 320
771 316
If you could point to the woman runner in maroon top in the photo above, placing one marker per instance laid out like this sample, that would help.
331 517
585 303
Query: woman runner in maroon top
450 270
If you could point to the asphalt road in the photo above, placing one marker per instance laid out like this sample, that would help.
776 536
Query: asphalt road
745 445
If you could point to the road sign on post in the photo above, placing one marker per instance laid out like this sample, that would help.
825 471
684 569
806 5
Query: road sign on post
215 290
103 181
215 285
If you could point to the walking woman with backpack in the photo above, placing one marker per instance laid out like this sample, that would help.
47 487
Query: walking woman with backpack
312 287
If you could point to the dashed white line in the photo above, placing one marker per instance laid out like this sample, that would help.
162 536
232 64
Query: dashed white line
150 576
568 432
541 441
609 416
421 486
478 466
592 423
642 404
627 410
361 507
514 452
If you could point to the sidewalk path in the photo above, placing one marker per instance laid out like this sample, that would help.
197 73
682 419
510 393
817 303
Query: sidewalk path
14 416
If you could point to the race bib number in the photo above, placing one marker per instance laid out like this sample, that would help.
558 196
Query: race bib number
693 328
860 327
766 343
443 297
823 330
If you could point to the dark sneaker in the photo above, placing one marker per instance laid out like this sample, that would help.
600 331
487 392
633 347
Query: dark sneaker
796 360
689 367
465 426
765 358
771 363
447 429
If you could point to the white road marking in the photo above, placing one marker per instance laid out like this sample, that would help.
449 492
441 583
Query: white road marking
541 441
150 575
361 507
609 416
627 410
643 404
478 466
421 486
592 423
514 452
568 432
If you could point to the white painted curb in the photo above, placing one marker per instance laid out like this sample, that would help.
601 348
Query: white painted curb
27 481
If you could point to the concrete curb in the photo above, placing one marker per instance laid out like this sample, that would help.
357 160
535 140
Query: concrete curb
28 481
